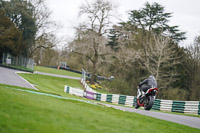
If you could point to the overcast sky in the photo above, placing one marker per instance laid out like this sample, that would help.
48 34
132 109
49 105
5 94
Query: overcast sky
186 14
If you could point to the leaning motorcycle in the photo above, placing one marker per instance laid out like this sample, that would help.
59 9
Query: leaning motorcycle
147 99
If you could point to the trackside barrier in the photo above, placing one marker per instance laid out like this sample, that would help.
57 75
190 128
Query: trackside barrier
111 98
115 98
188 107
103 97
166 105
90 95
191 107
122 99
156 104
73 91
98 98
199 109
178 106
130 100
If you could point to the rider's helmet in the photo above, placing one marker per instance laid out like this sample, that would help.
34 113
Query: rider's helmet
152 77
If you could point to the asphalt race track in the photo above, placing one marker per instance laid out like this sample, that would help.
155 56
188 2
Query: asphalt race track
9 77
181 119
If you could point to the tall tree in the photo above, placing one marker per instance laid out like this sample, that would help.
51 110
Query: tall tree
45 28
149 33
20 13
44 45
191 68
32 18
153 18
93 46
10 36
162 59
126 63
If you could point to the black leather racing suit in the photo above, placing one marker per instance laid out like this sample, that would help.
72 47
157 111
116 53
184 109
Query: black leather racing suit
148 83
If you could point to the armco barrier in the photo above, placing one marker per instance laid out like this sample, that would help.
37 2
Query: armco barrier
130 101
199 109
178 106
98 97
166 105
156 104
90 95
191 107
109 98
74 91
188 107
122 99
115 98
103 97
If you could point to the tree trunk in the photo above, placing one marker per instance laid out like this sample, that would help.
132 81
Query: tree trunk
93 72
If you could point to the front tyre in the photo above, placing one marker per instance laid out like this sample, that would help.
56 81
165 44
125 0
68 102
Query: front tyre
149 103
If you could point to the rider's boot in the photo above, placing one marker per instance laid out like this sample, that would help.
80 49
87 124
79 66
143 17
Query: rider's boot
139 93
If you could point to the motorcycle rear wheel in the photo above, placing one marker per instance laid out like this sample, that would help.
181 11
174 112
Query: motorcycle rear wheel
149 103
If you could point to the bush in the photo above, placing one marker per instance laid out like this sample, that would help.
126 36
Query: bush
172 94
118 86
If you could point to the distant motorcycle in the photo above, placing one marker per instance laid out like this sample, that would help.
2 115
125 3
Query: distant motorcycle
147 99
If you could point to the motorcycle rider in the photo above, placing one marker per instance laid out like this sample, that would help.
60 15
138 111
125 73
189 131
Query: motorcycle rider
146 84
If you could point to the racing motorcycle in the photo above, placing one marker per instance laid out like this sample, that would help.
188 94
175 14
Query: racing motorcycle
147 99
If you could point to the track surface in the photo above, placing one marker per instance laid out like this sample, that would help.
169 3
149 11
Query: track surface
181 119
9 76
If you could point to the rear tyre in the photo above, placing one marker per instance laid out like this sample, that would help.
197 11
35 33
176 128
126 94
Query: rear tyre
149 103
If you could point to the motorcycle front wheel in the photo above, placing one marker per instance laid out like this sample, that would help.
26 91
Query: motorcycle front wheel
149 103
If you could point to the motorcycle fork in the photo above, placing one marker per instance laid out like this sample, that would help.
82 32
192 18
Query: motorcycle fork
142 99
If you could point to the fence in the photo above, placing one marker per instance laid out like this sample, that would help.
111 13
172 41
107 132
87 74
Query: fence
86 75
17 62
85 85
187 107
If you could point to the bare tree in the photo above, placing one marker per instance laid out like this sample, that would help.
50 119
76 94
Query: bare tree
45 27
93 48
91 43
161 60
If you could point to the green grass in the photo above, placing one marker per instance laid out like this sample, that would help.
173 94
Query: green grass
55 71
50 84
23 112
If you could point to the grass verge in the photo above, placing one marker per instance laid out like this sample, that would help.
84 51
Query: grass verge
50 84
23 112
55 71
